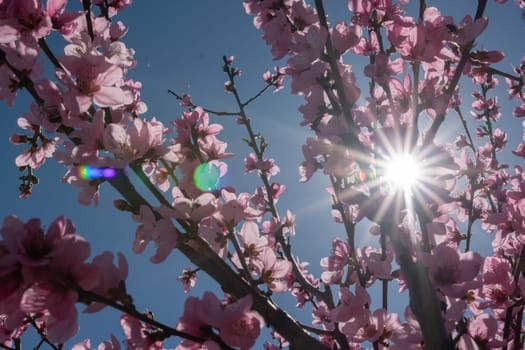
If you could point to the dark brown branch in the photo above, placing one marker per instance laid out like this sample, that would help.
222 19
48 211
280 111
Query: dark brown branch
423 299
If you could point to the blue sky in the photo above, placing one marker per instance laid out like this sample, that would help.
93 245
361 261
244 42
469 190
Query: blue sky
179 45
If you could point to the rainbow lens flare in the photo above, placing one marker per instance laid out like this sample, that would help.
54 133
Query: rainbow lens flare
370 174
91 173
206 177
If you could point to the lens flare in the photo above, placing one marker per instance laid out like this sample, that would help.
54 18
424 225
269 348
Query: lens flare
109 172
206 177
87 172
368 175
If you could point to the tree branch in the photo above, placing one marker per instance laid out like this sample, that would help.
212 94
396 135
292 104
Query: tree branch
423 299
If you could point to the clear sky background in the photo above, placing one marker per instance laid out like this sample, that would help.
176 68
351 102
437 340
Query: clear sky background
179 45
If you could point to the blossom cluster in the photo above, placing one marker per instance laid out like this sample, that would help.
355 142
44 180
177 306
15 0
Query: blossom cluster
350 136
42 274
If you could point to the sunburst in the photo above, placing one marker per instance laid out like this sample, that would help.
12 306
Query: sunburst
402 172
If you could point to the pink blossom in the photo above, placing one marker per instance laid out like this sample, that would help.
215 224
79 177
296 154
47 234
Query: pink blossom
362 11
112 344
61 323
160 177
520 150
468 30
252 245
350 306
461 141
267 166
487 57
298 291
499 139
367 46
277 22
382 68
12 327
335 263
64 22
142 139
190 322
235 208
409 335
35 157
49 267
352 91
422 41
138 335
186 101
206 129
191 209
288 223
20 18
261 259
283 343
114 6
273 270
275 79
497 286
519 111
452 272
345 36
371 326
374 264
110 280
307 47
237 325
488 107
321 315
402 94
482 333
213 232
161 231
188 278
97 80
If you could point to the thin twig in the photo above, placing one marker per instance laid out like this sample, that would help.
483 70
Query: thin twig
41 333
257 95
87 7
91 296
211 111
244 267
43 45
495 71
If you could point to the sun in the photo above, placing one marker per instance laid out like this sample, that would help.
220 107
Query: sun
402 172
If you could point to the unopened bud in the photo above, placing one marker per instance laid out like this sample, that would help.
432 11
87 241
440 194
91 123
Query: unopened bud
18 139
228 86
